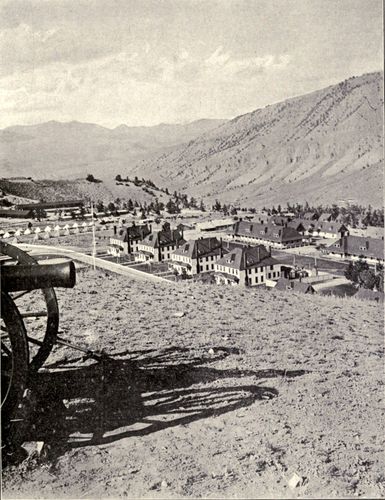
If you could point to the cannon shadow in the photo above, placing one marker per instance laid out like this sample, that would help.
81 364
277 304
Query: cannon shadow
139 393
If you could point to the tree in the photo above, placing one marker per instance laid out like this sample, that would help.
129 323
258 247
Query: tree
354 269
217 206
100 207
111 207
367 279
233 211
118 178
202 207
172 207
90 178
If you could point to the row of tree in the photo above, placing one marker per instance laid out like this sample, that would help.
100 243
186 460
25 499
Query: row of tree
352 215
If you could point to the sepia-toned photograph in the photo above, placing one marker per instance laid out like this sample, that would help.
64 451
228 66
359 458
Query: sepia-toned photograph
192 249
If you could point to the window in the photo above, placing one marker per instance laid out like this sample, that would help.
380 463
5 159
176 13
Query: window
269 275
212 266
256 279
261 279
271 267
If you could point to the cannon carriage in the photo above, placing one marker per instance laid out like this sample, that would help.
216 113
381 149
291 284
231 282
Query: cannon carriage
29 322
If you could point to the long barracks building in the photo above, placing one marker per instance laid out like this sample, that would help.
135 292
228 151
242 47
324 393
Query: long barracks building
266 234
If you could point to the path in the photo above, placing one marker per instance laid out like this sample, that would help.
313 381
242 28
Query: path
100 263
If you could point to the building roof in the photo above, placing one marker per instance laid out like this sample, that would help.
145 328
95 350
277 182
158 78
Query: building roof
279 220
21 214
310 215
201 247
300 224
51 204
268 232
325 217
372 248
331 227
293 285
131 233
247 258
163 238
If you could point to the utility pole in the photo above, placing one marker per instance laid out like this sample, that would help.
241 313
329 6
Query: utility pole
93 236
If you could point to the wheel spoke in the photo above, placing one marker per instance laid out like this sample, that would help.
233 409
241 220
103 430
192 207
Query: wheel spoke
15 297
5 349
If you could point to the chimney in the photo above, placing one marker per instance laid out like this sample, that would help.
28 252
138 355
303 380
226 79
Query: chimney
221 248
270 251
115 230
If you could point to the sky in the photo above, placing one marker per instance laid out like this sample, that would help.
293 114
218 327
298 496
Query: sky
144 62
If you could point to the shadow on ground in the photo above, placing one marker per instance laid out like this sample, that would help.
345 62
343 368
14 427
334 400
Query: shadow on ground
138 393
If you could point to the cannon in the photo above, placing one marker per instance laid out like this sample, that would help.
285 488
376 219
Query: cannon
27 335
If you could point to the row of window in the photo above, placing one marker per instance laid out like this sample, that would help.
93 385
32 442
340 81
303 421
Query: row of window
209 267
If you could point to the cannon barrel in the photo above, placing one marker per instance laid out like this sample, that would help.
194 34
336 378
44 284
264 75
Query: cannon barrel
16 278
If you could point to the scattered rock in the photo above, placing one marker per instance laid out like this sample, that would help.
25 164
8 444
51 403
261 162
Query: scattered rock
179 314
295 481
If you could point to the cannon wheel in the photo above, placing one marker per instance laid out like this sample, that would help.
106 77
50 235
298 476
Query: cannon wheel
14 358
51 313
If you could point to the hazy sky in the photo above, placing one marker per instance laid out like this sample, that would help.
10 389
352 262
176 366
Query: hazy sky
142 62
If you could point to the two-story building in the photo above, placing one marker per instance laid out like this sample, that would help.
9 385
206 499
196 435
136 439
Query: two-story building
266 234
247 266
357 247
197 256
159 245
125 239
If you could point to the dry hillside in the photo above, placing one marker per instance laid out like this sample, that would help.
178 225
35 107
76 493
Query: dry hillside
321 147
230 400
106 191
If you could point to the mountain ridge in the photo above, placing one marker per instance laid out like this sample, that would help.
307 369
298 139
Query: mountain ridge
311 145
329 133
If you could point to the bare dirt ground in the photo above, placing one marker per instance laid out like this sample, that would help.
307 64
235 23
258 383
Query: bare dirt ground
229 400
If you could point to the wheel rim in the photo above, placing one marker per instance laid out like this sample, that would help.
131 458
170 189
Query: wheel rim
52 324
14 357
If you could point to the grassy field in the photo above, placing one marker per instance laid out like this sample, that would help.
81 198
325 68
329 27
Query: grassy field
230 398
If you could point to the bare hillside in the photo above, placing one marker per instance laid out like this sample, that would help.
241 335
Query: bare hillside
246 389
51 190
319 147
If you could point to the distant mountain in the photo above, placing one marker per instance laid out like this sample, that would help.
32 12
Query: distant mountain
68 150
324 147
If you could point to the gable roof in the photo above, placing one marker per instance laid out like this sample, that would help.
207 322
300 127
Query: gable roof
268 232
325 217
300 224
331 227
310 215
162 238
134 232
242 258
200 248
358 245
